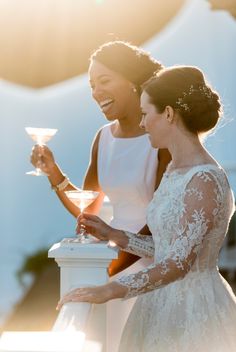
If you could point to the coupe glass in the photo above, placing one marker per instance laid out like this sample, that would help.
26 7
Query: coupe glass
82 199
41 136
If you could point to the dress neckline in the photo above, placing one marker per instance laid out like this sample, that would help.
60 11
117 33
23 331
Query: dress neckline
185 170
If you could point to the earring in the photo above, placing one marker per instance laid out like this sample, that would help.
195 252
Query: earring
134 89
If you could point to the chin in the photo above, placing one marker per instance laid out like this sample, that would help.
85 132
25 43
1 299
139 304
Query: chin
156 145
153 144
110 117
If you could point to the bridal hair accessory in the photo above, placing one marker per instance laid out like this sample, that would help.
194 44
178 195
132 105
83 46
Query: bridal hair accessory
183 105
205 91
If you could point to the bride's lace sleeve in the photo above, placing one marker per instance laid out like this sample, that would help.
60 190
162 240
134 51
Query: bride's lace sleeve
201 203
141 245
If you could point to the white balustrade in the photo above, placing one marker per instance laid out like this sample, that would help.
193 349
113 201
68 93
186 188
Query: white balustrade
84 265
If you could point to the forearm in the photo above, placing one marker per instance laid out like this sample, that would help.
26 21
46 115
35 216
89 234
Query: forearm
56 177
116 290
134 243
156 275
138 244
119 237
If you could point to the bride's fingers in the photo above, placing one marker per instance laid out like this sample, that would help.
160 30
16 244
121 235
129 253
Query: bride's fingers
91 217
65 299
90 223
84 217
78 295
95 230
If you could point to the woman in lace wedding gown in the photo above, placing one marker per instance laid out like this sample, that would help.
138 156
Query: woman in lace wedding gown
184 303
194 309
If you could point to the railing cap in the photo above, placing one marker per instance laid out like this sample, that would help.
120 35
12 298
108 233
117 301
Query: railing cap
95 250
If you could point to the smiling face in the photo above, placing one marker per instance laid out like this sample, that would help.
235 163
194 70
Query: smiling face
113 93
155 124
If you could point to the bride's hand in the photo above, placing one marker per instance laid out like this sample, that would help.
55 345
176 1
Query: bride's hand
98 294
95 226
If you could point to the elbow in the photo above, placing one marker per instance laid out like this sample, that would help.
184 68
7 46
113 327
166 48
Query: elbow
177 271
184 268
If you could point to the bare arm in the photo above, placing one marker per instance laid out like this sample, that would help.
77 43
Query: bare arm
56 176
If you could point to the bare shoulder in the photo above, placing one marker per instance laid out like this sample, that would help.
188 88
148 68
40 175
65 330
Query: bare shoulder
95 142
91 174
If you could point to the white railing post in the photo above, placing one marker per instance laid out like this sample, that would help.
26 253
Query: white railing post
81 265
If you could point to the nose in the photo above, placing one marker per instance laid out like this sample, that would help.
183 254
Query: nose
142 124
97 92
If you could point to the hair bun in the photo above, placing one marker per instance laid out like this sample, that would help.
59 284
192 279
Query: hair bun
184 88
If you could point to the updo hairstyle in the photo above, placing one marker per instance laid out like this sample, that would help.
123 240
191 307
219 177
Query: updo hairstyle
133 63
184 89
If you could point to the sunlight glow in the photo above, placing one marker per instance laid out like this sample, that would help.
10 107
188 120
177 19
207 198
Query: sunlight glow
68 341
111 244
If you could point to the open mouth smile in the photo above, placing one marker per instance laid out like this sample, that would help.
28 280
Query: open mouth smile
105 104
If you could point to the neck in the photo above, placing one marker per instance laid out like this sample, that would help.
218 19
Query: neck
187 150
128 126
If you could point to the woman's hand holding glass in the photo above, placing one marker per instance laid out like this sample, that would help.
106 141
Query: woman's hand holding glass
99 229
42 155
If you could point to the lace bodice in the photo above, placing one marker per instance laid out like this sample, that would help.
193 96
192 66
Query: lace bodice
188 217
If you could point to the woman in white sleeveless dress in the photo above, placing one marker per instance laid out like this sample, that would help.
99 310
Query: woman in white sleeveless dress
123 164
184 303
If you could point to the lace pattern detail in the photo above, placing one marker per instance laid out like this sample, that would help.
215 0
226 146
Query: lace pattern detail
191 244
139 283
141 245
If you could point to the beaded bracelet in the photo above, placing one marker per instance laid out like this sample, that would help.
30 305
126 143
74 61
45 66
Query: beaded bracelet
61 185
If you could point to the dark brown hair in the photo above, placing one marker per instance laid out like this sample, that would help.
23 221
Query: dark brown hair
185 89
133 63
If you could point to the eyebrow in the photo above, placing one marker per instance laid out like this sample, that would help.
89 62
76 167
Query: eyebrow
101 76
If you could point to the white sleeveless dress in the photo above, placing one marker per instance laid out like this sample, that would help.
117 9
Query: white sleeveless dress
126 173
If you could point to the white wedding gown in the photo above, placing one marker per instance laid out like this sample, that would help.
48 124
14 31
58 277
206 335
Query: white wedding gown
184 304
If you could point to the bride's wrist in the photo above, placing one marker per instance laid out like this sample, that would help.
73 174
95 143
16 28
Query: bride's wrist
119 238
117 290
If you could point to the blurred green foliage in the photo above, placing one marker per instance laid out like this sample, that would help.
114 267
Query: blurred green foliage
34 264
